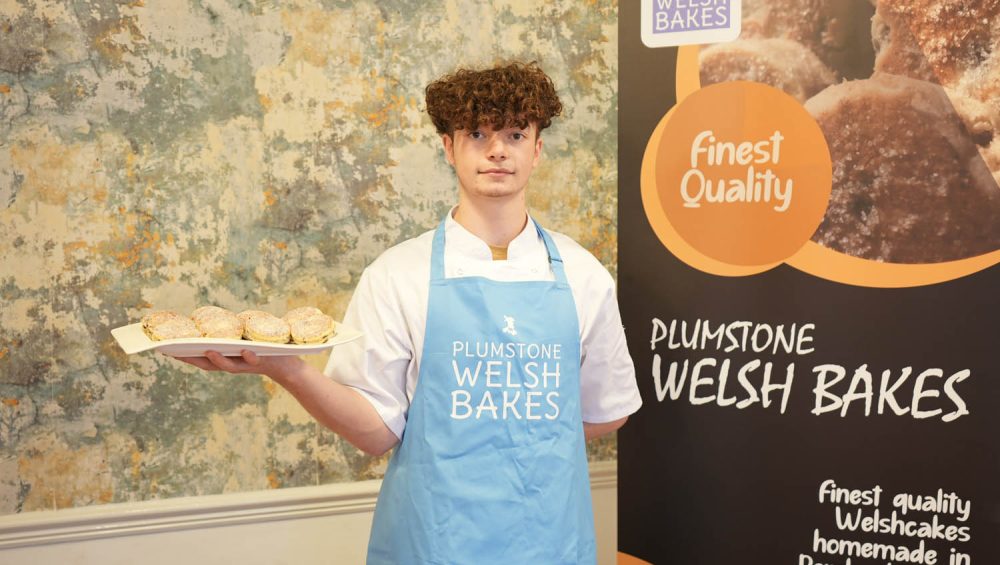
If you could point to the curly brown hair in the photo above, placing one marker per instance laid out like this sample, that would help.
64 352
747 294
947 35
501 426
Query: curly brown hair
513 94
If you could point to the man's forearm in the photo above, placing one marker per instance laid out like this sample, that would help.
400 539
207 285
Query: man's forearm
337 407
593 431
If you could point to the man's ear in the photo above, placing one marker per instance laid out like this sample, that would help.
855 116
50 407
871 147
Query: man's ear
449 148
538 151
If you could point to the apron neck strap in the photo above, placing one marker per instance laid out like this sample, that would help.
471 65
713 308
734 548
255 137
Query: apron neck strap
555 259
437 253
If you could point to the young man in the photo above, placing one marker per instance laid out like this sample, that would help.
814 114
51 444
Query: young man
492 350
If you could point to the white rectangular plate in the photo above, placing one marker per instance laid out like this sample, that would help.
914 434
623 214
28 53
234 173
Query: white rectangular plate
132 339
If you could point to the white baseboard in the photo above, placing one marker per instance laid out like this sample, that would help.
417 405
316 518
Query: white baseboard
322 524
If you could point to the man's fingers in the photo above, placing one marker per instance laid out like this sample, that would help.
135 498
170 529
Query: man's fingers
250 357
225 363
249 362
200 362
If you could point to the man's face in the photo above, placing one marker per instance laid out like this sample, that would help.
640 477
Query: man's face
493 163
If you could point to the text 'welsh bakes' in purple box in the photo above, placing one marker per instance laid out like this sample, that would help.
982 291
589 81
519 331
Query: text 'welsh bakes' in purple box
673 16
669 23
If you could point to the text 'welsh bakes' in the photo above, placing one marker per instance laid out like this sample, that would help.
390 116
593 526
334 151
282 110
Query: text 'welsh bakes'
713 377
505 380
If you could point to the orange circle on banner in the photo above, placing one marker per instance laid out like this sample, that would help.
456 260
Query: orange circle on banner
743 173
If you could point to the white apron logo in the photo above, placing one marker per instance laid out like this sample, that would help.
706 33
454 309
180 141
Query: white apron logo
506 380
509 326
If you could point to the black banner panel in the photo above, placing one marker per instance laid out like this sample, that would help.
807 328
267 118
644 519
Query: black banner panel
809 277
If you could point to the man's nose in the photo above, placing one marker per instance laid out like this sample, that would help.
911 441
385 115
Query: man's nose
497 149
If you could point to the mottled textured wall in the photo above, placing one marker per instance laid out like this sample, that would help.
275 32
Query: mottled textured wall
174 153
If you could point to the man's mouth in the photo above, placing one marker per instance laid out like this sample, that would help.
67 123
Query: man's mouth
496 172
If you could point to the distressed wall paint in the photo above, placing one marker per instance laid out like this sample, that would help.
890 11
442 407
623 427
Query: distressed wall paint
173 153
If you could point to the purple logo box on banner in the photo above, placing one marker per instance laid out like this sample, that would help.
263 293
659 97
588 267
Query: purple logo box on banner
672 16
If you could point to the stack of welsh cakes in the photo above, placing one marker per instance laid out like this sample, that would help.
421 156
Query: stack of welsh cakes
305 325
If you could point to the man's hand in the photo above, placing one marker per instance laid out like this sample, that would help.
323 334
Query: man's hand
278 367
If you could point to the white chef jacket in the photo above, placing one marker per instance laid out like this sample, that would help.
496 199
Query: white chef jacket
390 306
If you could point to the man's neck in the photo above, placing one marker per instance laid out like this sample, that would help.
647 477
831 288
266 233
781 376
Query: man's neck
496 221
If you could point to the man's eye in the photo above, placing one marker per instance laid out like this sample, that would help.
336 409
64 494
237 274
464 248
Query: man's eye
476 135
518 135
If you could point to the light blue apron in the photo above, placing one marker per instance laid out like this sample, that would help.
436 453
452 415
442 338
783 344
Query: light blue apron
492 466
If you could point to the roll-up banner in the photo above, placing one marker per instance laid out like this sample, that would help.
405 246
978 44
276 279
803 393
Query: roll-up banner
809 273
